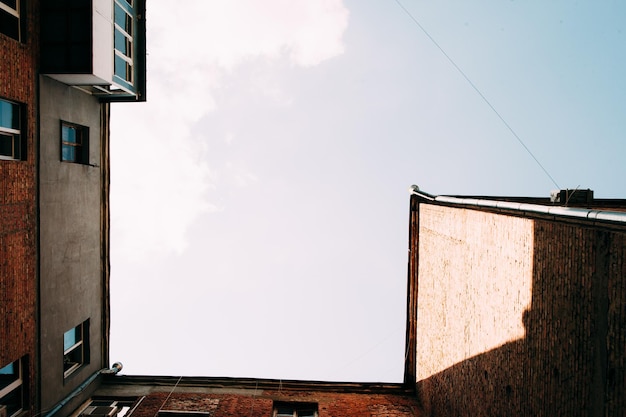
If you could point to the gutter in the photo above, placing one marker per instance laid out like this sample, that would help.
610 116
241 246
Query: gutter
571 212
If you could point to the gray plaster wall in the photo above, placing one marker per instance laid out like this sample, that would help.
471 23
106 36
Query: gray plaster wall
71 268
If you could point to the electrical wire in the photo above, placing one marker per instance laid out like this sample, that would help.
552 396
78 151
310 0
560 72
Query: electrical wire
477 90
256 386
168 397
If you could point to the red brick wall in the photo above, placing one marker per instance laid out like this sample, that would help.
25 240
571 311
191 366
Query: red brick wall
18 63
476 273
260 405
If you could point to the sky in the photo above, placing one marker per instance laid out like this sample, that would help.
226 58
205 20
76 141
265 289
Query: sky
260 198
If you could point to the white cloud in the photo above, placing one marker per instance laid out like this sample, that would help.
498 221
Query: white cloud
227 32
161 179
159 183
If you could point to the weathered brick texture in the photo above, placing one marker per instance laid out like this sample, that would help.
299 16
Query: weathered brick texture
616 335
18 64
519 316
259 404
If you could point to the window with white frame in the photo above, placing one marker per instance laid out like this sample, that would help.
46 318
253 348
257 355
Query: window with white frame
10 131
12 390
74 143
123 40
75 348
294 409
10 18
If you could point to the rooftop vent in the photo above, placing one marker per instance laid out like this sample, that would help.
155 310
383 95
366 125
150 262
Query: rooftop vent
569 197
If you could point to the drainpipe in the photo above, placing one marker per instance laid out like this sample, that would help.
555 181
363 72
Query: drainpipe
117 366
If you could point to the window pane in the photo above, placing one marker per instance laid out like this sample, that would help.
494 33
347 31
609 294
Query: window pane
70 338
120 16
9 25
123 20
6 145
73 359
9 115
69 154
121 43
10 146
122 68
8 370
68 134
284 411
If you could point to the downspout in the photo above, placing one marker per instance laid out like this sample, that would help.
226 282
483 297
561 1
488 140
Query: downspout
117 366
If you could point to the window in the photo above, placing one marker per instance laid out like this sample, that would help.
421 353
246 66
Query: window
75 348
123 40
118 407
74 143
12 387
10 134
282 409
10 18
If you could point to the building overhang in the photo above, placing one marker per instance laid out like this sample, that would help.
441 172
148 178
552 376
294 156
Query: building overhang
98 46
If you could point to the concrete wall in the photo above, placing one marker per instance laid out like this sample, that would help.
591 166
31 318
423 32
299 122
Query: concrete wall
519 316
18 63
71 236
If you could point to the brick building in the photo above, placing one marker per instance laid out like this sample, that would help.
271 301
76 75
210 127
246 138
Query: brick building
19 55
517 306
215 397
62 62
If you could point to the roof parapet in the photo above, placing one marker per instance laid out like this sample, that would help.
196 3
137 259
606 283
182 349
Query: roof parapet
553 210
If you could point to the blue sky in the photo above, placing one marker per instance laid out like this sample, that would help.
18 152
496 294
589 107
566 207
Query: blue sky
260 196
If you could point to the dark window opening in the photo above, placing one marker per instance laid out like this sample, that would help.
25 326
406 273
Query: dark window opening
13 398
289 409
10 23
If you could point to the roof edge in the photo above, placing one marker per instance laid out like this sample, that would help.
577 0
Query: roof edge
257 383
517 204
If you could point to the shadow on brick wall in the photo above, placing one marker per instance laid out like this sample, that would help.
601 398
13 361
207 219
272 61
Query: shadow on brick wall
572 359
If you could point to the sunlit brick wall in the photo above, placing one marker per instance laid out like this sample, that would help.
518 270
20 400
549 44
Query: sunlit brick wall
519 316
475 278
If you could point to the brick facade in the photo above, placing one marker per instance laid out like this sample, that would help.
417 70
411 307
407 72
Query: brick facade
519 315
234 398
18 63
329 404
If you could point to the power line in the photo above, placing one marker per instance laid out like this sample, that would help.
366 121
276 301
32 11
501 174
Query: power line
478 91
